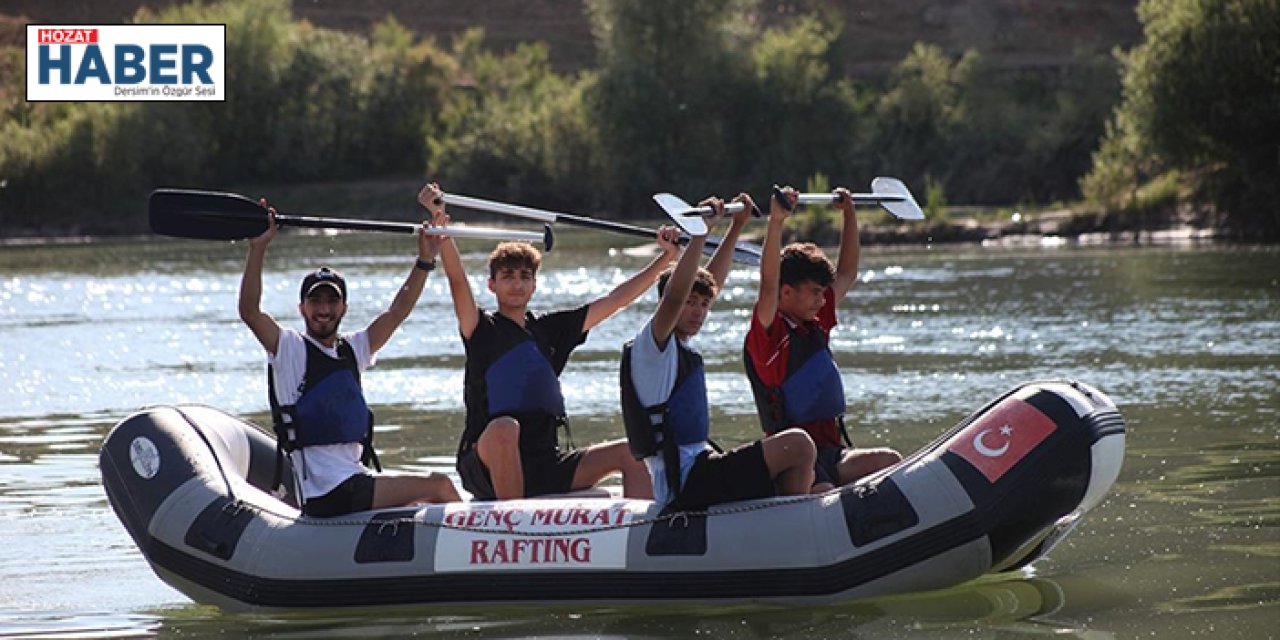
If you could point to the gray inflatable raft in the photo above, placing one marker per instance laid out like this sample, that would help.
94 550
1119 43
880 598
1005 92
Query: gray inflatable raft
993 494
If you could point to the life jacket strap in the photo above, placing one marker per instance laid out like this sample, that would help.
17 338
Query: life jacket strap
671 463
368 455
281 421
563 422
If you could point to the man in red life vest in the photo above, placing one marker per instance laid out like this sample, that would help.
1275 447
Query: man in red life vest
793 374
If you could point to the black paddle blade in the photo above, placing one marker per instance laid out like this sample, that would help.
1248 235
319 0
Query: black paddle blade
205 215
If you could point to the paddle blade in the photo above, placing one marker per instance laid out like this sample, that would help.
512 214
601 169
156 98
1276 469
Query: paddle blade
205 215
906 209
681 213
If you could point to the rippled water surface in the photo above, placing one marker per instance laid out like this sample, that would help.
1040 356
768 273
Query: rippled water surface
1185 340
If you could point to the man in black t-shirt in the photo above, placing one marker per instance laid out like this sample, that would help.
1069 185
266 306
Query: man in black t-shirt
509 447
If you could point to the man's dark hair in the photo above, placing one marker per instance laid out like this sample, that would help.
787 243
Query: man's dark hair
802 261
703 283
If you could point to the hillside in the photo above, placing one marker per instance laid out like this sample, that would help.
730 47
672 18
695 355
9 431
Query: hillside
1012 34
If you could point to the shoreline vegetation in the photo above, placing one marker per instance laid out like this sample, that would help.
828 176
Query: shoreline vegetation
1004 226
1179 131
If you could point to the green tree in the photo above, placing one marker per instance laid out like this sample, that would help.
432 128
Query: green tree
519 131
671 75
1201 95
800 119
918 116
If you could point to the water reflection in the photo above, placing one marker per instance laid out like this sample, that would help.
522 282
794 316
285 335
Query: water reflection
1184 341
1057 607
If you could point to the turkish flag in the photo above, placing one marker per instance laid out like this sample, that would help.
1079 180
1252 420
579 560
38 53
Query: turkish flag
999 439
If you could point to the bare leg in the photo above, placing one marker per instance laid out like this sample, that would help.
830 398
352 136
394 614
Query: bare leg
790 455
862 462
499 450
600 460
396 490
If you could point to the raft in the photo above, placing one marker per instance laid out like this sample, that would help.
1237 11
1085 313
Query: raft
993 494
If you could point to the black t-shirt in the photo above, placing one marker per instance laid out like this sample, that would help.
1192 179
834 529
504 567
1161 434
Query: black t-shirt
555 335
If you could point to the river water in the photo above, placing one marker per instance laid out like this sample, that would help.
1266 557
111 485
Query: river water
1185 340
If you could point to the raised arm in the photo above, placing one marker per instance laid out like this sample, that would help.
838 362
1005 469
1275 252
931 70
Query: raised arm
381 328
722 259
263 326
678 287
464 301
771 258
850 247
622 295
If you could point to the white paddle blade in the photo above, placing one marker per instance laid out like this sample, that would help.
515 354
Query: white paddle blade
905 209
682 214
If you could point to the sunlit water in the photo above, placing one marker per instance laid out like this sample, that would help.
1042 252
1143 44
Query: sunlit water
1186 341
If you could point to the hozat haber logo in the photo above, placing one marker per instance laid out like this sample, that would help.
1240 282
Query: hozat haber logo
126 62
998 440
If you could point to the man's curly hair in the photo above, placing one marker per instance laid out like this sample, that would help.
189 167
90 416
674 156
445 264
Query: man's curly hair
514 255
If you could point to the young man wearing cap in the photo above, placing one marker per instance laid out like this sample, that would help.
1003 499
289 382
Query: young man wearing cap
664 396
793 374
314 387
509 446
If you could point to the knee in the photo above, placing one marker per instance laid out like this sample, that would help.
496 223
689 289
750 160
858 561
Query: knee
622 453
885 457
501 432
618 455
440 486
798 446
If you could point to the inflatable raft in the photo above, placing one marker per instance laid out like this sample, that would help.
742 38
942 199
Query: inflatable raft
993 494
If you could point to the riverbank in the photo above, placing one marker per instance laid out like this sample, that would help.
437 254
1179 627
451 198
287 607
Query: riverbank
1052 226
392 199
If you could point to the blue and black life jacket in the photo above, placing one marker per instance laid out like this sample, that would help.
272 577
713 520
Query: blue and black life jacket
662 428
812 389
330 410
520 383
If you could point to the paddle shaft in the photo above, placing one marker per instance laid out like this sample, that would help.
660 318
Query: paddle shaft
350 224
861 198
582 221
544 216
312 222
731 208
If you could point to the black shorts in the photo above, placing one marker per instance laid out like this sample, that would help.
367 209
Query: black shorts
354 494
544 473
827 466
715 478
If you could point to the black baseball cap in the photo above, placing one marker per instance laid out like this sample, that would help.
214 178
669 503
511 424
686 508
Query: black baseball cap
324 277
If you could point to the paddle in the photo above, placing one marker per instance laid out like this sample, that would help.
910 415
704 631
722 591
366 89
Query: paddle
689 216
212 215
889 193
742 252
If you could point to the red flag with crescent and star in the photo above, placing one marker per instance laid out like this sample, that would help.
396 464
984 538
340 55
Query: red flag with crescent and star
999 439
